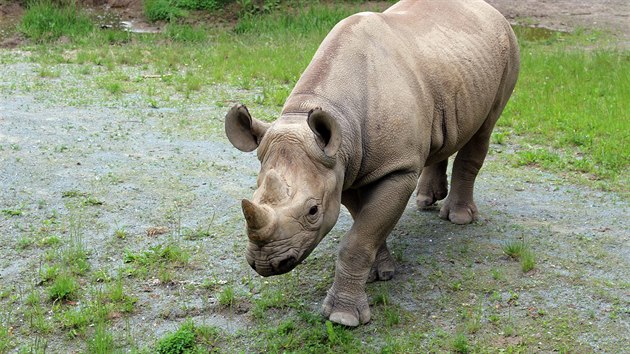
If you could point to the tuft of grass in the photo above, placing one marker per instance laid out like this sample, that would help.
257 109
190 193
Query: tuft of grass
519 249
45 21
121 233
460 344
226 296
162 10
12 212
528 262
514 248
189 338
178 342
64 287
102 341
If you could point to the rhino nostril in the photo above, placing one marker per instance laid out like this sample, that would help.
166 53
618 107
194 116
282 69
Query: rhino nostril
286 263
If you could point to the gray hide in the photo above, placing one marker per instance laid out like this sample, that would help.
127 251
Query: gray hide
387 98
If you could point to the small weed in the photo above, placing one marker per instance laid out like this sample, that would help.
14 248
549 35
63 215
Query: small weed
48 273
180 341
499 137
514 248
195 234
392 316
497 274
102 341
457 285
12 212
164 275
460 343
64 287
382 296
25 242
49 241
518 249
226 296
73 193
121 233
269 298
528 261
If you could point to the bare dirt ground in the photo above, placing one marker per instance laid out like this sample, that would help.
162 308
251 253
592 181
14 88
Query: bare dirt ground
172 167
610 15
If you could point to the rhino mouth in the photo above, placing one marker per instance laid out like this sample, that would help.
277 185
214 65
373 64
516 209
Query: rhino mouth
275 264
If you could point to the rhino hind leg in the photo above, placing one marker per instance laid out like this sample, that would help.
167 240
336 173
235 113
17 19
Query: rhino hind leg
432 185
384 266
459 207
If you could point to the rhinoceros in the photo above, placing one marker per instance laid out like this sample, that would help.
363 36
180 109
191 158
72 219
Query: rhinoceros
386 99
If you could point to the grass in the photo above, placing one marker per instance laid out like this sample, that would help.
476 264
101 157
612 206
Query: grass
45 21
84 294
580 122
520 250
189 338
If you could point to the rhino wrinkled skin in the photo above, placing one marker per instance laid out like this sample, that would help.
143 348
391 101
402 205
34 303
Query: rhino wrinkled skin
387 98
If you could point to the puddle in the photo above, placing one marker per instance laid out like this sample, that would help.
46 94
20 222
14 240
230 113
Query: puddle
113 21
535 34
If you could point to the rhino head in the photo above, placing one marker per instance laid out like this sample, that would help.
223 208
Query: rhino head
298 197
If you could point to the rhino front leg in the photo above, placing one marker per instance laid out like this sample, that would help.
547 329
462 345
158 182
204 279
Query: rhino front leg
378 209
432 185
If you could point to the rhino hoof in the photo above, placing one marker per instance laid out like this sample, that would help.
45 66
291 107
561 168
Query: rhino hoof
344 318
424 201
458 215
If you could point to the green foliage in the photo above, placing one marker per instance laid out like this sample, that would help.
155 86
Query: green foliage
514 248
185 33
518 249
460 344
162 10
45 21
189 338
64 287
314 19
572 102
102 342
178 342
226 296
12 212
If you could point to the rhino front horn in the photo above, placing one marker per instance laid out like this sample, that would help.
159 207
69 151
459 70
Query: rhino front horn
260 221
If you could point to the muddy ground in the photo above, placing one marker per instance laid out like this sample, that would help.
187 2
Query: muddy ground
172 167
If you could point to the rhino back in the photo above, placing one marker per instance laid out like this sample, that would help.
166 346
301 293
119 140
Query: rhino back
409 86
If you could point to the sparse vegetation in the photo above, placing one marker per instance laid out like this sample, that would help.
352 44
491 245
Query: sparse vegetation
91 283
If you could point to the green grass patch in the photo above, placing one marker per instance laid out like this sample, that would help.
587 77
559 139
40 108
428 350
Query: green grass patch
520 250
189 338
64 287
45 21
162 10
574 103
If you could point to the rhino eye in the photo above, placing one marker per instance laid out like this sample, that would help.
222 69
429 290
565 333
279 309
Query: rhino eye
313 210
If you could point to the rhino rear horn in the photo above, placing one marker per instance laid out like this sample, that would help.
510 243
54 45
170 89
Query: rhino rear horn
275 187
327 131
243 131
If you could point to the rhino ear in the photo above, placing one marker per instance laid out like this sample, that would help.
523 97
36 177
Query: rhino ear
327 131
243 131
